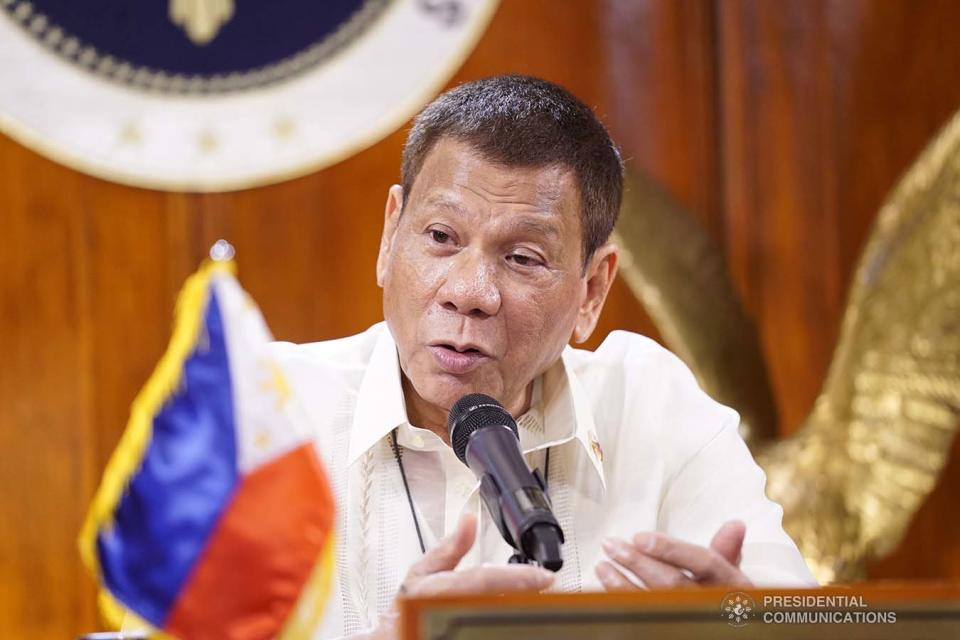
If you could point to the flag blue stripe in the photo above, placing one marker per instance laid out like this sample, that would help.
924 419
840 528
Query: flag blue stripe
175 499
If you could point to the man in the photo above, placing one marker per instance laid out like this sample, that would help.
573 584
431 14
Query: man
495 255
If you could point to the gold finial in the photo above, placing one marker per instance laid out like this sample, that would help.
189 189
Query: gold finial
222 251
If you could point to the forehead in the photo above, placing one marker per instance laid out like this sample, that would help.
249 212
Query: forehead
454 171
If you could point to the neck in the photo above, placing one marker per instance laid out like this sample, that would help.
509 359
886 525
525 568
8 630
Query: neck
426 415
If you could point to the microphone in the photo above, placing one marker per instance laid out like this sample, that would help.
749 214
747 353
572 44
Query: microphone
484 436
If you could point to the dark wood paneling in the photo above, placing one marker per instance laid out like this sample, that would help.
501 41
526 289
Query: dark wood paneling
903 66
662 98
307 248
48 464
137 259
779 89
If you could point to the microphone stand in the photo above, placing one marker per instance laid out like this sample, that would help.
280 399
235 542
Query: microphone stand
520 558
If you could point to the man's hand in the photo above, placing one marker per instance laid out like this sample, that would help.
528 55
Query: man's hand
434 575
656 560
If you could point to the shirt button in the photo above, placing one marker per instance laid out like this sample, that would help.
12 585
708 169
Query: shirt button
417 440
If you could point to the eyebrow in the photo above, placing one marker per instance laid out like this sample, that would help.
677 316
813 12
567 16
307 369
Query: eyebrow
539 227
445 202
529 224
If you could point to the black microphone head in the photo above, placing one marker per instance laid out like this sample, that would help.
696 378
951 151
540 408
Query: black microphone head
472 412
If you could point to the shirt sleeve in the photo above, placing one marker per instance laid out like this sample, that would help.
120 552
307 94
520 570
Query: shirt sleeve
722 482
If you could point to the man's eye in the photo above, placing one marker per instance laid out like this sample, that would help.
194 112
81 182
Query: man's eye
438 236
524 260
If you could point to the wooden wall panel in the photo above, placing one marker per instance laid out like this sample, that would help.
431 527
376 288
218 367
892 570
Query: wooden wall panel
47 466
659 102
136 261
779 88
901 90
321 284
662 98
781 125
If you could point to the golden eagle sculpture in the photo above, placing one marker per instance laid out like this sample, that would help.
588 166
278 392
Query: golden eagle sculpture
880 431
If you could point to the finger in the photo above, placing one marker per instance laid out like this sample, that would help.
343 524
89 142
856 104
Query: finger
447 555
495 580
706 565
728 541
651 571
612 578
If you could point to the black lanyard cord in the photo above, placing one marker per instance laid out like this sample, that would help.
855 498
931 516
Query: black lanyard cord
406 487
398 455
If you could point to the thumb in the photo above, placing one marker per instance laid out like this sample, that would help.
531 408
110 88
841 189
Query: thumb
446 555
728 541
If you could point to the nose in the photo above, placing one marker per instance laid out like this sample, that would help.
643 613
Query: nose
470 287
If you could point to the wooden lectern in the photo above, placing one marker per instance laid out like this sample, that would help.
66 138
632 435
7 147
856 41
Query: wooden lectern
870 610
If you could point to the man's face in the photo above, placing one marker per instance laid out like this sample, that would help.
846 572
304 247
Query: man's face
482 275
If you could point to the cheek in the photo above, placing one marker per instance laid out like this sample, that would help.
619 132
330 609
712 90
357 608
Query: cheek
410 286
407 273
542 320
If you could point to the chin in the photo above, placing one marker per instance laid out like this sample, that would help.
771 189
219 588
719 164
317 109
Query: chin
443 390
445 393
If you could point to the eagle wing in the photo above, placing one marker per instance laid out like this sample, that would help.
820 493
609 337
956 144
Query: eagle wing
680 276
881 430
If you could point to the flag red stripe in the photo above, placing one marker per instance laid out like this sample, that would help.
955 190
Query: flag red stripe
261 553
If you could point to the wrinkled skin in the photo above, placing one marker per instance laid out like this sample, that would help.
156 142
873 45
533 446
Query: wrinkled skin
486 257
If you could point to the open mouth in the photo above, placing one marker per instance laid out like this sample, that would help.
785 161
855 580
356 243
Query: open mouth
451 347
457 360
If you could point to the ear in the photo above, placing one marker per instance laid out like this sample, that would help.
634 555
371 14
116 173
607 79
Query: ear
391 222
600 273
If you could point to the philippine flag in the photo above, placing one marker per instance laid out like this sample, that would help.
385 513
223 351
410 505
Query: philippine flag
214 518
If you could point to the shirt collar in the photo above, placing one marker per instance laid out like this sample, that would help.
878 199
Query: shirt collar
380 406
566 411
